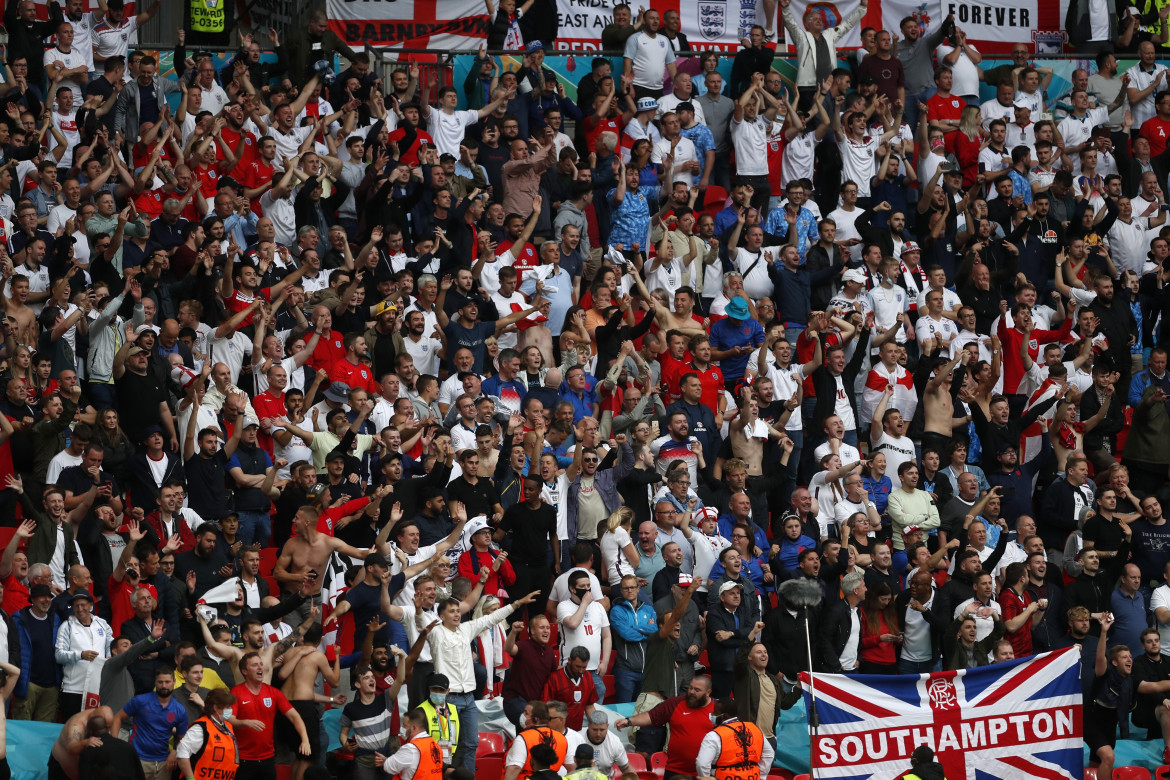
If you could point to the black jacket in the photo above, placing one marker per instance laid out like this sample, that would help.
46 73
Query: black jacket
1092 593
746 689
721 655
826 384
833 634
143 490
784 637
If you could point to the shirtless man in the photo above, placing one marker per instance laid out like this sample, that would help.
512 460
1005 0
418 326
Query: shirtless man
308 553
683 318
76 735
939 406
253 636
22 320
302 665
748 434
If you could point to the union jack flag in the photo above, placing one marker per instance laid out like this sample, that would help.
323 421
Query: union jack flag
1015 720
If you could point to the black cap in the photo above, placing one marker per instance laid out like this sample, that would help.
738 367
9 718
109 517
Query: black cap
686 105
38 590
377 559
81 595
437 680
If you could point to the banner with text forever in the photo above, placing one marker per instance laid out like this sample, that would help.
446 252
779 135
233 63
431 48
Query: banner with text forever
1013 721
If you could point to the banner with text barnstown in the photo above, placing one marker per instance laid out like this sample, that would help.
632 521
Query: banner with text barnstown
449 25
1016 720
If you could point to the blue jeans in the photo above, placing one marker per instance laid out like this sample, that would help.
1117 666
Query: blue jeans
918 667
103 396
910 113
599 684
254 527
627 685
468 729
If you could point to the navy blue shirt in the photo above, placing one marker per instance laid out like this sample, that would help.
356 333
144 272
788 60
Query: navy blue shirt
147 110
365 602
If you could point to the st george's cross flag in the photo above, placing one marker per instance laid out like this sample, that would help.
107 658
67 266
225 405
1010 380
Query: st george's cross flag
1015 720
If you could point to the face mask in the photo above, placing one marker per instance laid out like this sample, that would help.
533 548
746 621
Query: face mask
438 699
581 593
227 714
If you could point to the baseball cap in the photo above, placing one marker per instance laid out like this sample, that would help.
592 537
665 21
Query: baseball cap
685 580
910 529
316 490
534 46
384 307
82 595
438 680
135 350
728 586
647 104
854 275
686 105
38 590
376 559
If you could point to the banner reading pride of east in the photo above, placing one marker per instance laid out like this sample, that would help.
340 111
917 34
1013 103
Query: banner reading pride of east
461 25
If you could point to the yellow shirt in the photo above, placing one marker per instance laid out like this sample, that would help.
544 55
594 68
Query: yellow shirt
211 679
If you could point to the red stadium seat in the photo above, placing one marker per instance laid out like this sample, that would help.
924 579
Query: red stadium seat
1131 773
647 776
1090 773
1162 772
658 763
800 777
637 762
490 742
489 767
779 774
268 563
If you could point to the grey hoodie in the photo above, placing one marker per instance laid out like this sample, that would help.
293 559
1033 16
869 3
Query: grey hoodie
569 214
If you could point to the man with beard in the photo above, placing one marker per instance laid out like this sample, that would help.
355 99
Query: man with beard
158 717
689 719
1151 680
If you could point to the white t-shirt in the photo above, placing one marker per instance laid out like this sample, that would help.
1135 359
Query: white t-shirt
897 451
798 160
425 352
1161 600
964 73
560 588
612 545
847 452
858 162
67 125
69 60
750 140
993 109
505 306
58 216
684 152
846 228
283 216
927 327
110 40
286 145
587 634
231 350
649 57
448 130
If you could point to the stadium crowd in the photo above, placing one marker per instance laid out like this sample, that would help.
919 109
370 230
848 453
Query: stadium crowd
568 402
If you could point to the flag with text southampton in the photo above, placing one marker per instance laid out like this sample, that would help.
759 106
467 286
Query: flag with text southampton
1008 721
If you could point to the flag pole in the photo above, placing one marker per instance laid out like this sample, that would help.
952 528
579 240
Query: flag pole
813 721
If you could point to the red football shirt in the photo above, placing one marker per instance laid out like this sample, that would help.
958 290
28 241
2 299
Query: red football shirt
261 706
358 375
328 352
687 729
